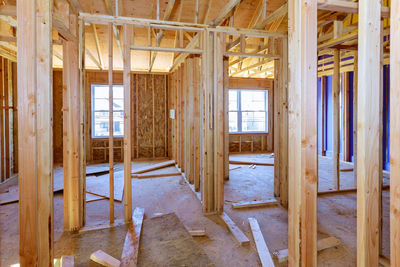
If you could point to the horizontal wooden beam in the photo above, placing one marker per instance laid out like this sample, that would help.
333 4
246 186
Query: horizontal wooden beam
8 10
282 11
167 49
253 55
345 7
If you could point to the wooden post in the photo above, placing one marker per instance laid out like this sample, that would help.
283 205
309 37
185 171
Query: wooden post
355 120
2 141
369 169
226 118
35 98
127 38
302 168
395 135
323 114
73 182
111 120
336 118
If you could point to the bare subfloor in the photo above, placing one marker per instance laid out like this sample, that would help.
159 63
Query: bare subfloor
336 216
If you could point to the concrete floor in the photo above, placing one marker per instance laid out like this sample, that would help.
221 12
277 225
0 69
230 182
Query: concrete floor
336 216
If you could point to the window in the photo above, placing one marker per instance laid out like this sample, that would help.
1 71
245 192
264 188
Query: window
100 110
248 111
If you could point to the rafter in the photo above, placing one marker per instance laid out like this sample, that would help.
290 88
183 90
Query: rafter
99 53
224 13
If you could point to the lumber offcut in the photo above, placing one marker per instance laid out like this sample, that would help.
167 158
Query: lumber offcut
262 249
131 246
154 167
253 204
235 230
104 259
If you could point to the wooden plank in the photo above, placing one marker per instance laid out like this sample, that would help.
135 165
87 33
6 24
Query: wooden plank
262 249
344 6
369 134
302 145
110 121
196 123
143 176
2 141
154 167
245 162
329 242
104 259
254 204
67 261
73 182
131 245
35 132
127 40
235 230
394 135
197 233
226 118
336 118
101 226
6 105
355 116
224 12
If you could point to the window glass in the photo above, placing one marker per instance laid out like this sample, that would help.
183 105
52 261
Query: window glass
100 111
248 111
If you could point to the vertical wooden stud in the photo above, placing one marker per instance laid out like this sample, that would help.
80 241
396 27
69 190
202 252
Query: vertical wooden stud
111 121
336 118
127 38
369 134
35 89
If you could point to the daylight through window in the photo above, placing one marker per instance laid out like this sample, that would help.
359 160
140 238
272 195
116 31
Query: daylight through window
100 110
248 111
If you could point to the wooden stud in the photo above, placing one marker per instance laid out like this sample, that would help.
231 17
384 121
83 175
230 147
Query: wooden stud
73 182
240 237
6 72
302 168
336 119
262 249
226 118
395 135
197 125
127 39
323 114
111 121
35 132
2 141
355 116
369 134
130 251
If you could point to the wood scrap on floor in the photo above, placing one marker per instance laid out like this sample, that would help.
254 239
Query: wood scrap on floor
197 233
244 162
131 245
254 204
101 226
235 168
67 261
104 259
153 167
235 230
163 172
325 243
262 249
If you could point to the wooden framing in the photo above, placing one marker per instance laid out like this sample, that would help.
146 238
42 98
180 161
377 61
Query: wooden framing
336 119
302 168
127 39
394 133
73 182
111 121
35 132
369 174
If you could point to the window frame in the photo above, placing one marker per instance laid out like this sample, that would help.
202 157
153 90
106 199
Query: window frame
239 111
93 111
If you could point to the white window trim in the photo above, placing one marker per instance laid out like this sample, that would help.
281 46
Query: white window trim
239 111
93 111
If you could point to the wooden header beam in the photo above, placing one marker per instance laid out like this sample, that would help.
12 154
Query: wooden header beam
346 7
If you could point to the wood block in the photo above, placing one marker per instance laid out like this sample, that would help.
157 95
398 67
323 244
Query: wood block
67 261
131 246
282 255
237 233
252 204
243 162
262 249
154 167
197 232
104 259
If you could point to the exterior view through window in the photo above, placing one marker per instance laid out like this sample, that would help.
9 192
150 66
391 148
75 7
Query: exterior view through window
248 111
100 110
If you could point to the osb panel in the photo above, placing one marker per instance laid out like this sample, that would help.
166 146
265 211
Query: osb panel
246 143
160 102
234 143
257 143
98 154
145 116
57 116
